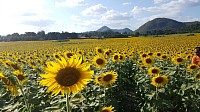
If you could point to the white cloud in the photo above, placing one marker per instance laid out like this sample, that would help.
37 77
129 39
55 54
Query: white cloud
70 3
114 15
126 3
159 1
95 10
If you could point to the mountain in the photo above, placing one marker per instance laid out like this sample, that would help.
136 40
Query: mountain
161 25
106 29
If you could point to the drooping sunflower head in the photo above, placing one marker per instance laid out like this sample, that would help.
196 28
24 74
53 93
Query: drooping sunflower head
154 71
108 78
192 67
99 61
107 109
10 86
159 80
20 75
69 76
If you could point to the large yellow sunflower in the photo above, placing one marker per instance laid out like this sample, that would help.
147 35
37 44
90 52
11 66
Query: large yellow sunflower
99 61
69 76
108 78
107 109
159 81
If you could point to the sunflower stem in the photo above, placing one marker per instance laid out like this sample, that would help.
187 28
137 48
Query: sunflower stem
104 96
67 103
25 99
156 93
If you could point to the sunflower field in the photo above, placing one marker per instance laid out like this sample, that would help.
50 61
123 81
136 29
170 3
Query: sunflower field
136 74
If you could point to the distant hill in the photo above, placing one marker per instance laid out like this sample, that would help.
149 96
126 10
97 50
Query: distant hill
160 24
168 25
106 29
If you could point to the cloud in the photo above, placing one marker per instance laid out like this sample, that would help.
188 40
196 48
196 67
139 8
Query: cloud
70 3
39 23
126 3
95 10
114 15
159 1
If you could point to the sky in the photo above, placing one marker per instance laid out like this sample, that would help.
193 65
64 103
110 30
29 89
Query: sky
20 16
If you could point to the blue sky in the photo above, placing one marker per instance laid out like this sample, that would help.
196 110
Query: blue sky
20 16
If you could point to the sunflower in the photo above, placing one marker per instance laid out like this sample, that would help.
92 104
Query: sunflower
99 61
99 50
108 78
148 61
20 75
107 109
164 57
69 76
159 81
98 79
68 54
197 76
154 70
178 60
10 86
192 67
115 57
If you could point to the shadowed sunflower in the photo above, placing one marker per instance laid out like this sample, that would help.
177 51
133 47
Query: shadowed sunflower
107 109
159 81
69 76
10 86
20 75
192 67
99 61
108 78
154 70
197 76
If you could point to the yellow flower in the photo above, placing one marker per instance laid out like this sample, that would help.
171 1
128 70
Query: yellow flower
10 86
99 61
178 60
159 81
108 78
66 76
154 70
107 109
148 61
192 67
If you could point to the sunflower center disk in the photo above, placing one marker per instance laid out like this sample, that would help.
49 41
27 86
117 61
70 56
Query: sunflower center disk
192 67
68 76
159 80
154 71
148 60
99 61
179 60
107 78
